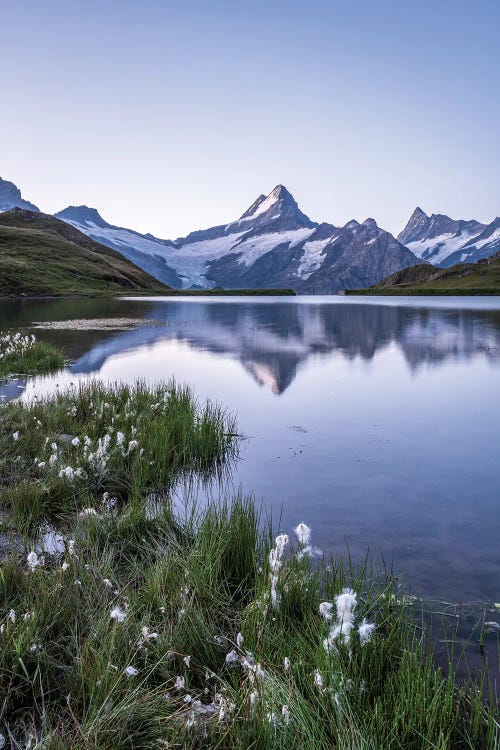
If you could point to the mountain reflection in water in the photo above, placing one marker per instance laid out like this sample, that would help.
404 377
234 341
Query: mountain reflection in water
272 341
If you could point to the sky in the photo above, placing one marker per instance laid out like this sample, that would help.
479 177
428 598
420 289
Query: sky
174 116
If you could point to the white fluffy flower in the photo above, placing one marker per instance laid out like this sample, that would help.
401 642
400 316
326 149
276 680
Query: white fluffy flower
281 541
67 473
179 683
303 533
75 442
34 561
239 640
365 631
318 680
326 610
341 631
232 657
131 671
118 614
15 436
87 512
286 663
346 604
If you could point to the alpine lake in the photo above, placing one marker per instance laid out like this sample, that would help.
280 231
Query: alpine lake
376 421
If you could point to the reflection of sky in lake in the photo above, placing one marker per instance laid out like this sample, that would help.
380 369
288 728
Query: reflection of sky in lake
377 424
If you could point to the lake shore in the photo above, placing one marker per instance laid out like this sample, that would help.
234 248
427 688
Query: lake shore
191 625
166 292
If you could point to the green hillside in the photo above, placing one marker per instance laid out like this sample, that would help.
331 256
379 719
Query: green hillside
462 279
41 255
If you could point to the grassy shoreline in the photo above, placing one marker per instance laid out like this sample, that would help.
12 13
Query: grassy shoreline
158 626
24 355
167 292
425 292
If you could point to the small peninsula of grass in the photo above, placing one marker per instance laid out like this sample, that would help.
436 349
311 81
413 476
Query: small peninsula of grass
61 454
155 626
25 355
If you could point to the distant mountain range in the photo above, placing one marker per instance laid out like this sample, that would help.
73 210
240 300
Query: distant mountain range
444 242
274 244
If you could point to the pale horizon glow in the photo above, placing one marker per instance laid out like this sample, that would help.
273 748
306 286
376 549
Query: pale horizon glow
170 117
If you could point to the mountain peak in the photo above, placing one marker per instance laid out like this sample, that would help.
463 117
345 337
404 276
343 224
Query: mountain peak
82 215
277 199
418 214
278 211
417 223
10 197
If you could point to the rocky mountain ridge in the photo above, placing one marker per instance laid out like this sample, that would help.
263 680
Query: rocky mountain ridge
275 244
443 241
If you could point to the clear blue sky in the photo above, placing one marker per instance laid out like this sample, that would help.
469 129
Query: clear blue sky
174 116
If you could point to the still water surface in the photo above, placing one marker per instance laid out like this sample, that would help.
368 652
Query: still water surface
376 421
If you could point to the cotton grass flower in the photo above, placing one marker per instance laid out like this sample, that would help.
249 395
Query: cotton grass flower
75 442
34 561
339 632
15 436
130 671
179 683
326 610
87 512
303 534
239 640
346 604
275 564
118 614
286 664
318 680
67 473
232 657
365 632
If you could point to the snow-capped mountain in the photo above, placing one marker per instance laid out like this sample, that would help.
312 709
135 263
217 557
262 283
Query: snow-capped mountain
444 241
272 244
10 197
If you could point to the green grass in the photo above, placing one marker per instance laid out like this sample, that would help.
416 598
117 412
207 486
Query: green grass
40 358
130 440
41 255
196 584
423 279
191 585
